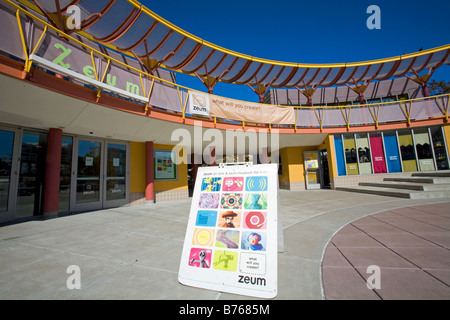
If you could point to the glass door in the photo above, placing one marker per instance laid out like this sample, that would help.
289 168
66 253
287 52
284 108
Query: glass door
312 169
88 179
101 175
116 185
31 174
440 148
8 173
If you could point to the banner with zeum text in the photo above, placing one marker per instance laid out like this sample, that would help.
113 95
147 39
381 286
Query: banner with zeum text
250 112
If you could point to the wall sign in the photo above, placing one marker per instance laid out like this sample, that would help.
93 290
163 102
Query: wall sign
231 239
165 165
311 160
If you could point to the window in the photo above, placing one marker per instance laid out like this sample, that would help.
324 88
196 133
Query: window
407 150
350 154
439 148
362 143
424 151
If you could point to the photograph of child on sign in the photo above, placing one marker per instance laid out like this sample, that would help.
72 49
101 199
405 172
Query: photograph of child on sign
255 241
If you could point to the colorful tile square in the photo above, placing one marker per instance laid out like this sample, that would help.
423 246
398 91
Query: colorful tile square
256 184
233 184
209 200
231 201
225 260
206 218
255 201
211 184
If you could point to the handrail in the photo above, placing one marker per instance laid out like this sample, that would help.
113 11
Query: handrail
367 104
110 59
87 46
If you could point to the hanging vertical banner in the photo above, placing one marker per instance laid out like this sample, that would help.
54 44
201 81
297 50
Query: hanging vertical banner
231 239
198 103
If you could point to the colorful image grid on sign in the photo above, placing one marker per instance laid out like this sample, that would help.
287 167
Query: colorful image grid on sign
230 225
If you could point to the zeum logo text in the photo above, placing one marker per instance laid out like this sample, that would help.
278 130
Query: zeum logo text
252 280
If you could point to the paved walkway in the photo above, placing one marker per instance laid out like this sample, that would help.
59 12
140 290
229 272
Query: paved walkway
134 252
408 247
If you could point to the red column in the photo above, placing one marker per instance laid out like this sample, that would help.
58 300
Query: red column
149 174
52 172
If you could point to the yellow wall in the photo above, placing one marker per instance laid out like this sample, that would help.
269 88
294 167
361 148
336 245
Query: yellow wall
137 170
137 167
292 161
284 177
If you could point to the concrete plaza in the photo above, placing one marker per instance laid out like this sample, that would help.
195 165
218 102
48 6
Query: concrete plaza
134 252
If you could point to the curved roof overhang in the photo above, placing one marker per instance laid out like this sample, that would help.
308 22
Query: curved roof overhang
133 29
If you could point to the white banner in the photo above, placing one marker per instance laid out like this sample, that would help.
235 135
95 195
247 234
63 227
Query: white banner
231 240
198 103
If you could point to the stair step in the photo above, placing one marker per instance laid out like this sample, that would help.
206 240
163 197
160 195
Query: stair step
444 173
399 193
378 191
407 185
420 179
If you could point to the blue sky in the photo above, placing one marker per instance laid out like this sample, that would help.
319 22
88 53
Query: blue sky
309 31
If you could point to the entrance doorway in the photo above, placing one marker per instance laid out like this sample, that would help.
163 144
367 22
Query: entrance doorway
31 174
324 170
9 166
100 176
22 173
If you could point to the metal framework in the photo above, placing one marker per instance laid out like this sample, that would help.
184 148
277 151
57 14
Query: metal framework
383 113
133 29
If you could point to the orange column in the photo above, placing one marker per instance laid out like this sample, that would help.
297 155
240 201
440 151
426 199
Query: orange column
52 172
149 173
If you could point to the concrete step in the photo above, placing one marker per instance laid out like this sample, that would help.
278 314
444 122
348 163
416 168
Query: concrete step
407 185
421 179
444 173
398 193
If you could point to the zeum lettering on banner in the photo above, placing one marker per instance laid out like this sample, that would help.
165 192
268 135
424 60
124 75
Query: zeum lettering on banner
198 103
231 239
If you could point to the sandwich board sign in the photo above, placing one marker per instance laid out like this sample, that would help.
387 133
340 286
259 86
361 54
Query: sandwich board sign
231 239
